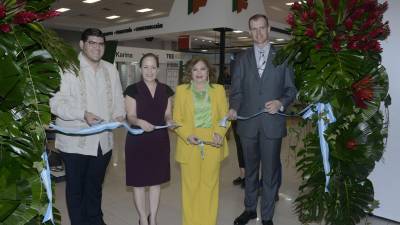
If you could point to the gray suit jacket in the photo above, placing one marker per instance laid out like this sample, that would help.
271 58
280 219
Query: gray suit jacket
249 93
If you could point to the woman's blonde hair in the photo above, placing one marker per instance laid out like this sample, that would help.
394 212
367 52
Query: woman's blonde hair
187 77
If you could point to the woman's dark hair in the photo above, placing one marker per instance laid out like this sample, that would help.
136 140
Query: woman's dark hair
149 55
92 32
187 77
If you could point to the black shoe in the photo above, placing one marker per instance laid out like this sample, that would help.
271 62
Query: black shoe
276 197
243 184
238 181
245 217
267 222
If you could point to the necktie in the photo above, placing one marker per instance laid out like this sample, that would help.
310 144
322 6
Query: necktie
261 63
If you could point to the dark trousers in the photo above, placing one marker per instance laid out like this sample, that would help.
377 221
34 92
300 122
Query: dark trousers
84 177
239 149
267 151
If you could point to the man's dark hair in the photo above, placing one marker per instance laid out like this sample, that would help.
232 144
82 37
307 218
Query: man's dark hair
92 32
257 17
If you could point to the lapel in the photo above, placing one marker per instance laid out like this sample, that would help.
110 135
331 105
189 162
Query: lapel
269 67
189 102
253 63
213 101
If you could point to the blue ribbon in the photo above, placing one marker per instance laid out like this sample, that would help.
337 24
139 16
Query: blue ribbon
224 121
326 117
45 176
102 127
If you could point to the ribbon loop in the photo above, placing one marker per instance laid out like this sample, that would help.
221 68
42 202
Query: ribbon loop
325 117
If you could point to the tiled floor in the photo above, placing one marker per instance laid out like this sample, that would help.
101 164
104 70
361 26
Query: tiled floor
118 207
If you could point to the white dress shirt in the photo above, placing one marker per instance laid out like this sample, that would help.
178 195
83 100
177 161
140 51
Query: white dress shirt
98 92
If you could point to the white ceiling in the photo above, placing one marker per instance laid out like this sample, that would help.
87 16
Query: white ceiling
83 15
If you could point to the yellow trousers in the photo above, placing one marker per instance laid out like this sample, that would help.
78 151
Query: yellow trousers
200 186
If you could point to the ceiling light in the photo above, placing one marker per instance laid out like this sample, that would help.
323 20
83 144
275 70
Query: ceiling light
203 40
280 39
237 31
61 10
144 10
271 42
243 37
196 39
204 50
291 3
209 41
112 17
90 1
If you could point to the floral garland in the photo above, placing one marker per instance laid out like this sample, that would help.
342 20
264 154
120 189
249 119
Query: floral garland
31 58
335 52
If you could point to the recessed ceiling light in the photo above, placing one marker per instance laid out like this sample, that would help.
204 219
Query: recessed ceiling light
196 39
243 37
209 41
112 17
204 50
276 8
237 31
61 10
280 39
203 40
90 1
144 10
291 3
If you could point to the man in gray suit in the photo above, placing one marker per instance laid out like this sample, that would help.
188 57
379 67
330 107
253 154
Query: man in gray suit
259 85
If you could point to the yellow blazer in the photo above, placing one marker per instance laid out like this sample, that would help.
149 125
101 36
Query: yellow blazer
183 114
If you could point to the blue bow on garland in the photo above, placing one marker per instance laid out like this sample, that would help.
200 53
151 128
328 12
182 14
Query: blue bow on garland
326 117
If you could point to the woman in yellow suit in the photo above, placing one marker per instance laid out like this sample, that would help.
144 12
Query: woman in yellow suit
198 106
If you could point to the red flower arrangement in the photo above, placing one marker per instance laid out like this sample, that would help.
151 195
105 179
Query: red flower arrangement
361 24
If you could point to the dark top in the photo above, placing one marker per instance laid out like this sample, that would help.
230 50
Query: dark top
147 155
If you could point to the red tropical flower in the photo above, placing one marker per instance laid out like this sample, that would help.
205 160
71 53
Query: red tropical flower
327 11
2 11
296 6
310 32
336 45
290 20
304 16
357 14
352 45
351 4
335 4
47 15
313 14
24 17
351 144
348 24
362 91
330 22
5 28
318 46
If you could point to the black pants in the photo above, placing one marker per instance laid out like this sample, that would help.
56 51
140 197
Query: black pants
84 177
267 151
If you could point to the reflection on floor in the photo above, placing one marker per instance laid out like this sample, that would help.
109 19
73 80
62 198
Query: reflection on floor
118 207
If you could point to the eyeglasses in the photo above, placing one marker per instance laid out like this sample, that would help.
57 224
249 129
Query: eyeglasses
93 44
